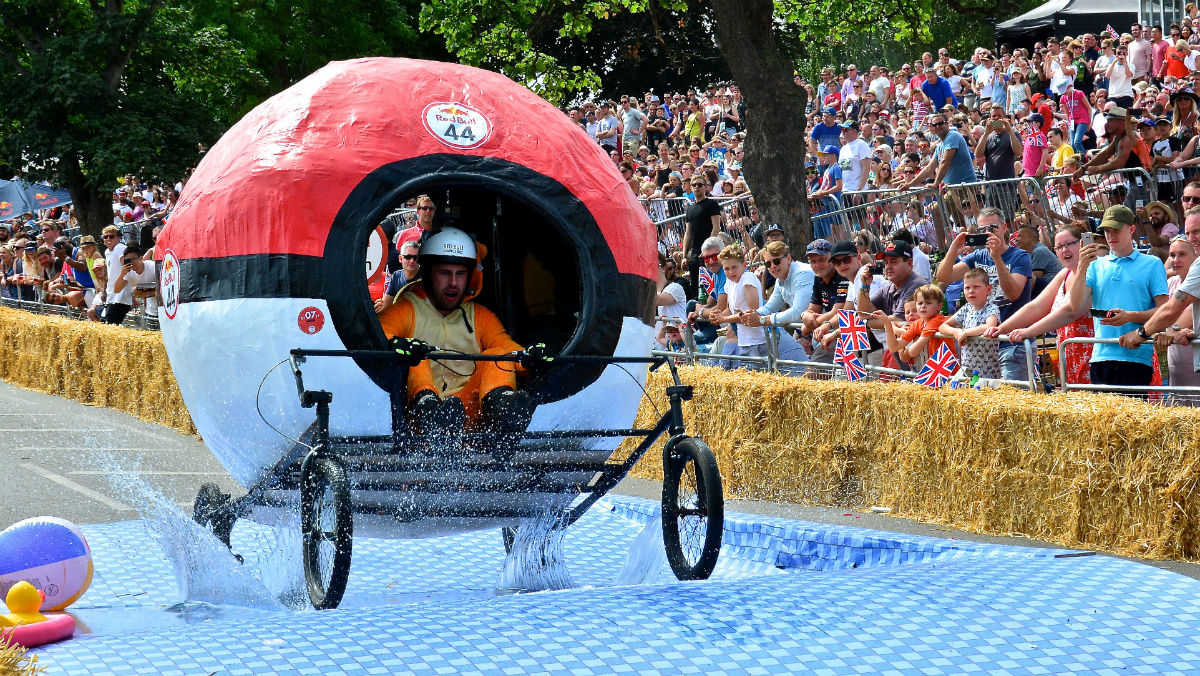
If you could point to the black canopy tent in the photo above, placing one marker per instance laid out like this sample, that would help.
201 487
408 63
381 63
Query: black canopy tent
1066 17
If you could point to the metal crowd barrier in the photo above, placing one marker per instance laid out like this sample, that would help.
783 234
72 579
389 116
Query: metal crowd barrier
772 362
1099 192
672 228
136 319
882 211
1175 394
960 203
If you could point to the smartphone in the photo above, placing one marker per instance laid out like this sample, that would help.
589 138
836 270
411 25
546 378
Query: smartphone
1100 314
978 239
1086 239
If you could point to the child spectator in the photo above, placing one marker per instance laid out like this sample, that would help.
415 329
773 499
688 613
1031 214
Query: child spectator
972 319
745 295
917 341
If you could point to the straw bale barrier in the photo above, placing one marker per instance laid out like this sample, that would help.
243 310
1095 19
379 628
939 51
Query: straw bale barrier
1078 469
96 364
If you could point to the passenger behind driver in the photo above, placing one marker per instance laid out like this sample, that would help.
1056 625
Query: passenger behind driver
438 310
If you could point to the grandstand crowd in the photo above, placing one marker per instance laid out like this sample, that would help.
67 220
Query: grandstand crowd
1079 155
44 259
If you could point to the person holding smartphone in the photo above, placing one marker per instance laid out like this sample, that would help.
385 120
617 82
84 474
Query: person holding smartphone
134 280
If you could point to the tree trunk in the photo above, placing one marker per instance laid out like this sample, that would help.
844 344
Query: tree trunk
775 128
92 204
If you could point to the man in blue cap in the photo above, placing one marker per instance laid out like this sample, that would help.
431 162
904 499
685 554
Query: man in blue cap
854 157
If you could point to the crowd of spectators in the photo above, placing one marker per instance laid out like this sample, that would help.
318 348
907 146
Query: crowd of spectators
1008 161
44 259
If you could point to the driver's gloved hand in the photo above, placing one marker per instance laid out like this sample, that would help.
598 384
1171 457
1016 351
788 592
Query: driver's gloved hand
537 358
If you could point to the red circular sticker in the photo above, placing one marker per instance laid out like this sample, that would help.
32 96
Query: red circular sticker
311 320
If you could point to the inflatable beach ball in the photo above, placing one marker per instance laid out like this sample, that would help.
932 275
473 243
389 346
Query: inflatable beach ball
49 553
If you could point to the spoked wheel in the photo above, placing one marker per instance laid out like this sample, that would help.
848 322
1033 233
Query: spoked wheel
212 511
693 510
326 520
510 536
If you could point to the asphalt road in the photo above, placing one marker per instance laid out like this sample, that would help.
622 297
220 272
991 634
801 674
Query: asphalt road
62 456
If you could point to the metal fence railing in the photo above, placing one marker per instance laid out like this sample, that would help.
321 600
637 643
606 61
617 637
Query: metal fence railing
1067 198
137 318
883 211
1171 395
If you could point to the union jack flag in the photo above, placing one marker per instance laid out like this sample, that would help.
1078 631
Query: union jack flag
1111 31
839 353
939 368
854 330
854 368
708 281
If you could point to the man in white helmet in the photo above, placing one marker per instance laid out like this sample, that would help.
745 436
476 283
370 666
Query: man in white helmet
438 310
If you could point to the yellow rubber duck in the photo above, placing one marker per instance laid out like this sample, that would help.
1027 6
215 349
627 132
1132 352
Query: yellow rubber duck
23 601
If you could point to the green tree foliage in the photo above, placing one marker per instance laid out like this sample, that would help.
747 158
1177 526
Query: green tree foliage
752 38
96 89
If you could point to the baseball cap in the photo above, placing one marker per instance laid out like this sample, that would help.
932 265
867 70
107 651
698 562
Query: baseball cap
773 227
818 247
843 248
1145 122
1163 120
31 246
829 150
830 110
1116 217
1036 118
1036 99
849 124
896 250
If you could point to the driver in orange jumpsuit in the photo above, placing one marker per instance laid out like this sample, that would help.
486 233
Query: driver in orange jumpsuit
438 310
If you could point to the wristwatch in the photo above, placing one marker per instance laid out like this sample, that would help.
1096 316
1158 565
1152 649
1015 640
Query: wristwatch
1142 333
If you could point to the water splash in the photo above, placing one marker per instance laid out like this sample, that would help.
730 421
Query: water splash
536 562
646 562
204 568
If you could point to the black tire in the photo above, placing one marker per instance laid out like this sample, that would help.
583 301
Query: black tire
693 510
510 536
327 524
211 510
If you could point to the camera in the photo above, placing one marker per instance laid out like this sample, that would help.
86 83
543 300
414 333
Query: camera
978 239
875 268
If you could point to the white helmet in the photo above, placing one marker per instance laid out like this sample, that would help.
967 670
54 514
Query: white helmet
450 245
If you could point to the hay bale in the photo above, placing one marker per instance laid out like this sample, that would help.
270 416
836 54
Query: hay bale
96 364
1076 468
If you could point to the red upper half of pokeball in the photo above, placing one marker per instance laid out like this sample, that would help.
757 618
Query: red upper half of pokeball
277 179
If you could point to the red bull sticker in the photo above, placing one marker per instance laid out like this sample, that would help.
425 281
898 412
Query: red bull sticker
456 125
311 320
44 198
170 284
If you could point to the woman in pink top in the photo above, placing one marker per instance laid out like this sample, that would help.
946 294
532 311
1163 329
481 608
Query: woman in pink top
1034 158
1078 113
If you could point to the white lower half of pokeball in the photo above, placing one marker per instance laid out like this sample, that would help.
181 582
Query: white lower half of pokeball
221 350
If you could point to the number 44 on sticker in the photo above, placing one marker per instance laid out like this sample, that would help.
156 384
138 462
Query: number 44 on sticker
465 134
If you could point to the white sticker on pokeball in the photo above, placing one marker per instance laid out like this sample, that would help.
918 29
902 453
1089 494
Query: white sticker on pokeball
170 284
456 125
376 253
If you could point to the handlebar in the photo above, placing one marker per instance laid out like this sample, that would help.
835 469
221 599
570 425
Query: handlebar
301 353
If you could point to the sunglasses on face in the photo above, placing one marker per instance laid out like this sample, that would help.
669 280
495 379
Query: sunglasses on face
410 257
108 237
772 262
424 208
709 258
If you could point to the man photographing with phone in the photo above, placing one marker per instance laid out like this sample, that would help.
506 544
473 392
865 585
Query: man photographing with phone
999 148
1009 269
1126 287
135 279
